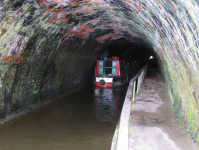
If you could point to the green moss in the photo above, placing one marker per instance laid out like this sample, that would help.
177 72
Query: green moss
183 87
37 32
197 139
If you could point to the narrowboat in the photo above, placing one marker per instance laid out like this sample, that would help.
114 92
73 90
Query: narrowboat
114 72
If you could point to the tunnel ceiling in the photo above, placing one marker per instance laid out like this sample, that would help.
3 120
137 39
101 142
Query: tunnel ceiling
49 48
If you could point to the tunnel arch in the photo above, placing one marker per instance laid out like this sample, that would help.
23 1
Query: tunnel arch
48 48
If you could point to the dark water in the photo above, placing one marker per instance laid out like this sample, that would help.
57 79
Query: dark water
82 121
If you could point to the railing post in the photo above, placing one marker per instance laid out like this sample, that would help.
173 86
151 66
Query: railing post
137 84
133 94
104 67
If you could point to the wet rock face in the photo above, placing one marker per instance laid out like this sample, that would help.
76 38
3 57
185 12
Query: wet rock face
48 47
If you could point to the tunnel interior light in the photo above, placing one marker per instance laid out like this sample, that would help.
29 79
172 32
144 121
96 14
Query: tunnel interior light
151 57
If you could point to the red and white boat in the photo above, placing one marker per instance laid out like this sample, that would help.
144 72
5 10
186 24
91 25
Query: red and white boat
115 72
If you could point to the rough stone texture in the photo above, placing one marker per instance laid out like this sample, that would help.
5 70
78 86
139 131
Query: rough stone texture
48 47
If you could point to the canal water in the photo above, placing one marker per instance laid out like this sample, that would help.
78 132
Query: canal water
85 120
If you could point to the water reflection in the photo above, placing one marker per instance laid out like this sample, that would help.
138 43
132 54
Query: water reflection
107 101
82 121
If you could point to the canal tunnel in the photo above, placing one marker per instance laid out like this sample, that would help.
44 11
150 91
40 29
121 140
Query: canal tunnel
126 49
49 48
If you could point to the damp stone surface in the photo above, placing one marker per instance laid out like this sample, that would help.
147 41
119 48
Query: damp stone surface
48 48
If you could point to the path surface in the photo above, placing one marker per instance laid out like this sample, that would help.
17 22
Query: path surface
152 122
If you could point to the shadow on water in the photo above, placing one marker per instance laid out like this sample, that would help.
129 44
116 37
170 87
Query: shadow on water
85 120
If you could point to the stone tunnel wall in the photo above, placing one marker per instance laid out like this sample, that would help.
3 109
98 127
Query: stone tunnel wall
48 48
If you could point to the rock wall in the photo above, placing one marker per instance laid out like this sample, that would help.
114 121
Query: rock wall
49 47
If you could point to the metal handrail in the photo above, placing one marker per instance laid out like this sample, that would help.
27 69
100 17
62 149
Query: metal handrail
120 139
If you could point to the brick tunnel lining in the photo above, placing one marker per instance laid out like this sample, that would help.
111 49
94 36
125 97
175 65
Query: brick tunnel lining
37 37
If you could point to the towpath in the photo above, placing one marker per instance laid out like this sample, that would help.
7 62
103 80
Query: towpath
153 125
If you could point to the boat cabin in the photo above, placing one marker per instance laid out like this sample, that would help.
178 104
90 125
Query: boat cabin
113 72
